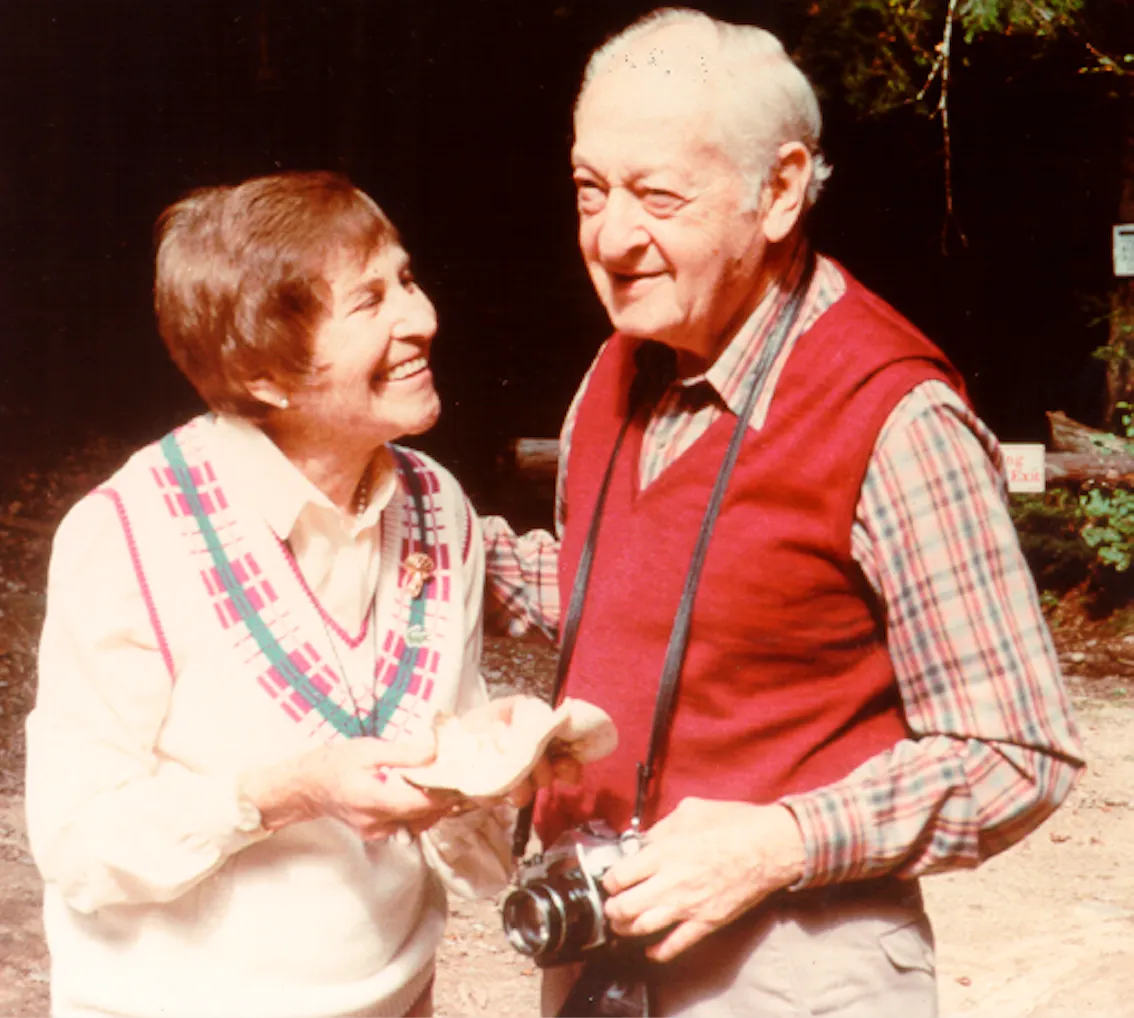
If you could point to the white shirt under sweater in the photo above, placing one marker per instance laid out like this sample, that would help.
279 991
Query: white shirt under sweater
159 899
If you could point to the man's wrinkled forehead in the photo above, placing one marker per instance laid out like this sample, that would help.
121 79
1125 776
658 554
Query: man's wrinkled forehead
670 76
657 101
670 56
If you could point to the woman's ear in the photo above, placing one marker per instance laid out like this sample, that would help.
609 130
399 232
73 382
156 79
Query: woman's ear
786 190
268 392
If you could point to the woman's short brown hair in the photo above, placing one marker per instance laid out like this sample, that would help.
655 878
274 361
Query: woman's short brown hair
240 285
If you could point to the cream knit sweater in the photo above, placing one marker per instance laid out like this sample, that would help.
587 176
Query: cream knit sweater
163 896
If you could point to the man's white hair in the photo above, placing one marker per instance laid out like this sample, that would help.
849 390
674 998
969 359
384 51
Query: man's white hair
769 101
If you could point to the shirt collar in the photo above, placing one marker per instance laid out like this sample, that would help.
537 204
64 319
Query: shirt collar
280 491
730 375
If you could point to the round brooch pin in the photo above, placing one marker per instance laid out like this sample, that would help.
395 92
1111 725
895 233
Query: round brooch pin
419 571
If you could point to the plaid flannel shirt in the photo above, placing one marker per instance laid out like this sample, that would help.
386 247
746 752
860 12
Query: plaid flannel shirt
993 748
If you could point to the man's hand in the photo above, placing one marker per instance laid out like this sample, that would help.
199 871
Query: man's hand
497 715
355 781
700 868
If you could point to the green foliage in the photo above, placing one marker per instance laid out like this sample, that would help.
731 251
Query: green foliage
883 54
1125 411
1042 19
1109 526
1049 527
875 49
1119 348
1081 540
1113 351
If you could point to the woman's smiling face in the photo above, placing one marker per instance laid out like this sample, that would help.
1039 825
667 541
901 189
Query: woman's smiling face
370 378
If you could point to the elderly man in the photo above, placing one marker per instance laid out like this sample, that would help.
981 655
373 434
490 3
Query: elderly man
869 692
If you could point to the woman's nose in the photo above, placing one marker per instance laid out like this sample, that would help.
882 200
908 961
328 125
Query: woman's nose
416 318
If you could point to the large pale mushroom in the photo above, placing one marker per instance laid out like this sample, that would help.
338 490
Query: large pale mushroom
488 763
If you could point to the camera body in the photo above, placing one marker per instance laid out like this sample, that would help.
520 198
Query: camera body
555 914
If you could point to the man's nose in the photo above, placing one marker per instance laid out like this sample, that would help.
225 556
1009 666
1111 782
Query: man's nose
620 231
416 316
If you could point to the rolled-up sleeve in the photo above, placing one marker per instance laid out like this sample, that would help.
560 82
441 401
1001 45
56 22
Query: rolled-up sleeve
523 578
110 819
993 748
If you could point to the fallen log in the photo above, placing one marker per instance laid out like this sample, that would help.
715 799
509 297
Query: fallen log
1082 455
1065 469
1070 435
535 458
1085 455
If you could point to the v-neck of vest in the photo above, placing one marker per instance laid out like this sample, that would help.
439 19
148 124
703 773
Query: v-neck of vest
725 421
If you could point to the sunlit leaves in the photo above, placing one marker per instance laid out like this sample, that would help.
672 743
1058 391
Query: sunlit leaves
886 53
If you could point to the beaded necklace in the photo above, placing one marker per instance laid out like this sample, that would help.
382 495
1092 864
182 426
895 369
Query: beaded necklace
418 568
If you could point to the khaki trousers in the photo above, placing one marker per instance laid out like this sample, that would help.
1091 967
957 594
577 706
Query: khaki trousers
853 951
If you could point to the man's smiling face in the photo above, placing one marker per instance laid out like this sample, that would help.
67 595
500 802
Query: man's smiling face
668 234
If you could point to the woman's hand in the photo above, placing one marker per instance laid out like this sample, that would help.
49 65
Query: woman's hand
355 781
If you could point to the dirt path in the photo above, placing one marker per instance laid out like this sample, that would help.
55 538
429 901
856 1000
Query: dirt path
1044 931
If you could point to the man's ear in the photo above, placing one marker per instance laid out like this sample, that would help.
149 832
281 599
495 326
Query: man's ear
268 392
785 190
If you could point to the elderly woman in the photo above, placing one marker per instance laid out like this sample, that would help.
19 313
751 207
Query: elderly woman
249 630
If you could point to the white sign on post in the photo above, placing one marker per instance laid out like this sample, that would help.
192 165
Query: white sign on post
1024 463
1122 247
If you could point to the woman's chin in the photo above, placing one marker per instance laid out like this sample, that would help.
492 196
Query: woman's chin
421 423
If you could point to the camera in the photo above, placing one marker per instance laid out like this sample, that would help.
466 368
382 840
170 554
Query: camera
555 914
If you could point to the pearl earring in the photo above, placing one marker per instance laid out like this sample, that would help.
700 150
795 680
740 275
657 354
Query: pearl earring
284 403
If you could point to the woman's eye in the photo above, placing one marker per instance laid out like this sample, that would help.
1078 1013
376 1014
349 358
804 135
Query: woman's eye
369 302
408 280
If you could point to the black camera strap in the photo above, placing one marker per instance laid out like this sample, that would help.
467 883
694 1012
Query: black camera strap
655 364
679 635
656 367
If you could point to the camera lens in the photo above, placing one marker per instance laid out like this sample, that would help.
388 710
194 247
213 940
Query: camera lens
552 919
533 920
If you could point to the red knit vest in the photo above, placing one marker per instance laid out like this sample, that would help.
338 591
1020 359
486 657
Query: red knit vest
787 683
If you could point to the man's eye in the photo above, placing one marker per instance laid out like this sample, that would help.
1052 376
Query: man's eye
662 203
589 196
